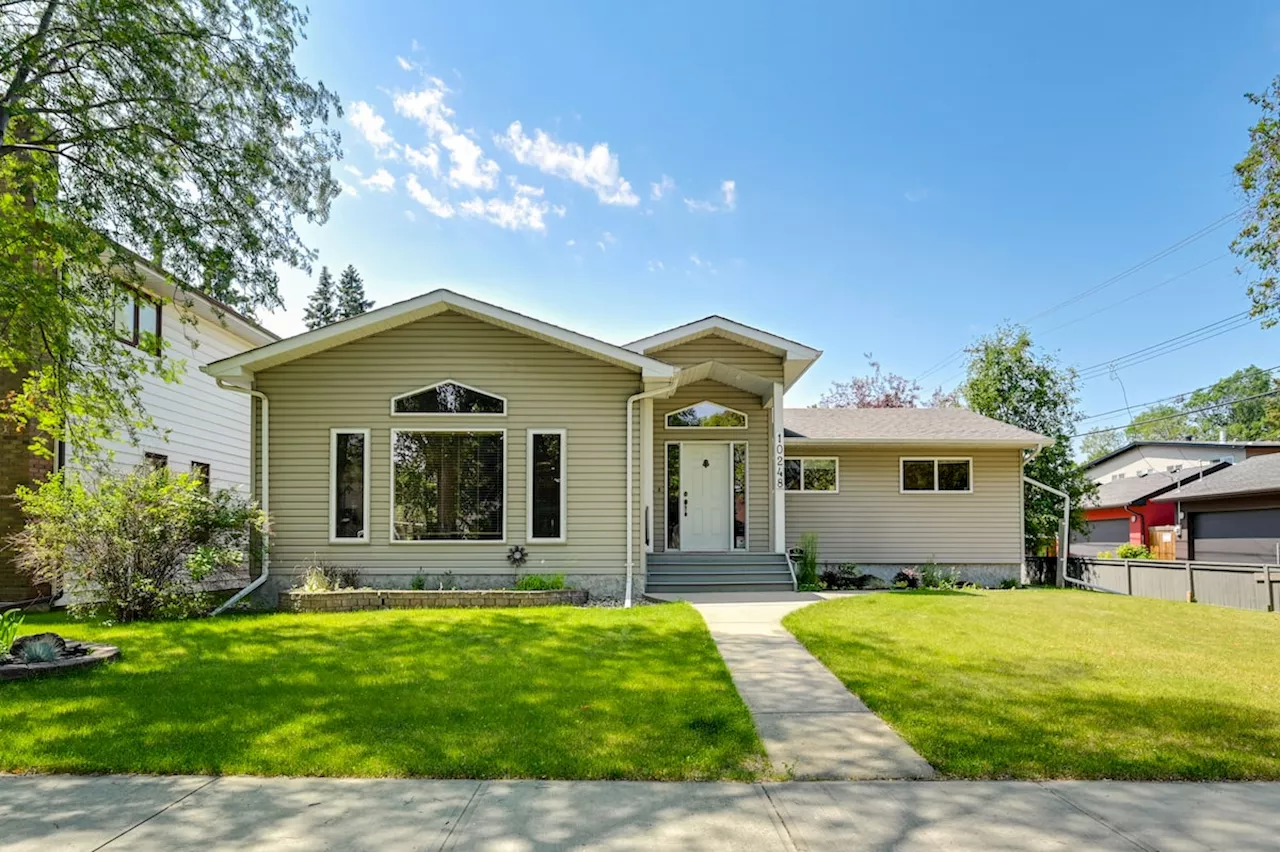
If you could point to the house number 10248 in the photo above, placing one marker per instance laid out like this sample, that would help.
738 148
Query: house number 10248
779 458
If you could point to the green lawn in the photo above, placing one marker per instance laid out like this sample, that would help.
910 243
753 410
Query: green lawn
1061 684
533 693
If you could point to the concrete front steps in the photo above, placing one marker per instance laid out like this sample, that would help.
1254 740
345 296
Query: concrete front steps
675 573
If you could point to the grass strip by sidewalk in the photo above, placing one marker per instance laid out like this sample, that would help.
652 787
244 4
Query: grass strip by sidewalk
1061 684
532 693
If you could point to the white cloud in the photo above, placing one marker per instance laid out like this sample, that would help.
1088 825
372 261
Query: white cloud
697 261
353 170
381 181
915 196
427 159
414 45
661 188
696 206
571 243
348 189
405 65
422 195
410 215
729 191
596 169
656 266
468 165
524 211
606 239
728 200
372 126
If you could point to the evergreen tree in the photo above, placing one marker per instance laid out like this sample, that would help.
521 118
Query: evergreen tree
320 305
351 300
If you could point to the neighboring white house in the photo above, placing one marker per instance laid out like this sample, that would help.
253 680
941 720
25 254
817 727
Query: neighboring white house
1140 458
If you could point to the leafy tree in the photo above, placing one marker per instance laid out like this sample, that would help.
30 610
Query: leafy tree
321 310
1098 444
175 130
1009 380
1242 421
1258 175
351 300
1163 422
881 390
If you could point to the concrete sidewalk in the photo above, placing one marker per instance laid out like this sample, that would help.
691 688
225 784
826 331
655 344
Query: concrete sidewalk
155 814
812 726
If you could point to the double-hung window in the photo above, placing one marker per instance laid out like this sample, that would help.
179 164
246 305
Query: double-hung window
138 320
816 475
546 485
936 475
348 486
448 485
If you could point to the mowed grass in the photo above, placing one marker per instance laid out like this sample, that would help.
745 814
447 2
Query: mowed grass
1061 684
534 693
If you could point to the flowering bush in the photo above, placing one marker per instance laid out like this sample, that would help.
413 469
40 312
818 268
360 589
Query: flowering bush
137 546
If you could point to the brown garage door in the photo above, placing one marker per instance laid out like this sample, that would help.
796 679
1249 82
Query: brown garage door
1249 535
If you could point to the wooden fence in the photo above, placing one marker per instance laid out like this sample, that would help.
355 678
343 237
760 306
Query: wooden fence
1219 583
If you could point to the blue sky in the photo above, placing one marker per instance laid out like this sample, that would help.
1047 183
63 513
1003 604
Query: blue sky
893 179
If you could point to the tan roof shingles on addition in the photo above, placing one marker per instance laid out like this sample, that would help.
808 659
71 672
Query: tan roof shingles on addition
957 426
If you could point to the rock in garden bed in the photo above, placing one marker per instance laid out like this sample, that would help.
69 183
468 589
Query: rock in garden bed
49 653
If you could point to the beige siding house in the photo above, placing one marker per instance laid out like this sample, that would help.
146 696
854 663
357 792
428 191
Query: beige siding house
456 441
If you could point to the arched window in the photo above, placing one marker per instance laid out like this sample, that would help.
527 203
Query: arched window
706 415
448 397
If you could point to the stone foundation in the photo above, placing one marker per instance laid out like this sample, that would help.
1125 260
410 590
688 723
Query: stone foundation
365 599
597 585
988 576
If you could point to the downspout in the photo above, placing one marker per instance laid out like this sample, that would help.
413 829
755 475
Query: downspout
631 400
266 494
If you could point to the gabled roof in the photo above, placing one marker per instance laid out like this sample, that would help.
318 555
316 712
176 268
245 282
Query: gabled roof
1259 474
943 426
1137 490
1204 445
420 307
796 357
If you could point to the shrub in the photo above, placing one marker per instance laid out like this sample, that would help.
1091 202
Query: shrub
10 622
137 545
846 576
933 577
39 651
807 565
1008 583
907 578
1106 554
321 576
419 582
539 583
1133 551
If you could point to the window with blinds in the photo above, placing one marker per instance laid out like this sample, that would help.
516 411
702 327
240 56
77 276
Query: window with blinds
448 486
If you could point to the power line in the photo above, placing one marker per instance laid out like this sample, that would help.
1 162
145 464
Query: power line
1138 267
1175 396
1181 413
1172 344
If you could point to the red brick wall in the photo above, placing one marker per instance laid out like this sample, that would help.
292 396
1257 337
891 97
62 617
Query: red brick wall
18 466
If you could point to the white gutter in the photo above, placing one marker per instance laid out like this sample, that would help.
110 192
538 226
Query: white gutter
266 494
1060 580
631 400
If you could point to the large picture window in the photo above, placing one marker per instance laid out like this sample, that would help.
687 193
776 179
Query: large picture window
448 486
706 415
812 475
546 485
348 485
448 398
936 475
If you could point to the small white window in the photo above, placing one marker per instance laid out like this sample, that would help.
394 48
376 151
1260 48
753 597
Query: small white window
706 415
546 485
937 475
812 475
448 397
348 486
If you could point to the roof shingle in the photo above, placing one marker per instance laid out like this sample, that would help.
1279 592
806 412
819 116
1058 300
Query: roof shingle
1253 475
905 425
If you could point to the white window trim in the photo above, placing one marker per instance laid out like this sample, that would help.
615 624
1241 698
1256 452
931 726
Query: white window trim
391 465
666 423
564 486
935 459
333 484
447 414
802 460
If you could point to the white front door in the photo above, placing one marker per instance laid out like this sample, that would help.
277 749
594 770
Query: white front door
704 496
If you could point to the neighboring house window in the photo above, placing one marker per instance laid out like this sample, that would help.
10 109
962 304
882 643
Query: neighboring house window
201 471
805 475
156 461
1116 476
937 475
138 321
739 496
448 485
348 485
673 496
706 415
60 455
546 484
1173 468
448 397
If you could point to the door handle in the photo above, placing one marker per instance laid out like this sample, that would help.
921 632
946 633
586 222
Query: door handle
686 504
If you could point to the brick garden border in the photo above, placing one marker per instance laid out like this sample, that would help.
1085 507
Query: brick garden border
355 600
96 656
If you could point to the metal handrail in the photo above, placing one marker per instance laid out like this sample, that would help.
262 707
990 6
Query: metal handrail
791 566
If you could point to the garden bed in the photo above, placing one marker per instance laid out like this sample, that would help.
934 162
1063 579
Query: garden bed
354 600
71 655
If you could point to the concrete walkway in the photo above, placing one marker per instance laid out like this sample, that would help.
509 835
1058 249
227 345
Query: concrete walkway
151 814
811 725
